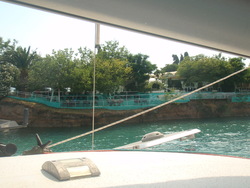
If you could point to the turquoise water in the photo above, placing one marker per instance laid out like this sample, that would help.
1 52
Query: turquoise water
228 136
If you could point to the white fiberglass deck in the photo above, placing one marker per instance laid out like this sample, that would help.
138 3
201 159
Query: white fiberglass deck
131 169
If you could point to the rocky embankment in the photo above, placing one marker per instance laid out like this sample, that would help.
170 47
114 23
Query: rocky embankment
43 116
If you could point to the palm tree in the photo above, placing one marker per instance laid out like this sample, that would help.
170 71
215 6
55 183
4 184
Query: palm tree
21 58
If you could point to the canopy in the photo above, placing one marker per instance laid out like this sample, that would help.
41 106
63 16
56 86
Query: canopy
223 25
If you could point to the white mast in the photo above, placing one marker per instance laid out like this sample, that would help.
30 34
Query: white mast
97 46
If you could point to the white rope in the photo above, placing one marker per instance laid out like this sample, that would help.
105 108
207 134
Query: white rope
146 111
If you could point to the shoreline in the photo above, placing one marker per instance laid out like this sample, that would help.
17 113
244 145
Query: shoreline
44 116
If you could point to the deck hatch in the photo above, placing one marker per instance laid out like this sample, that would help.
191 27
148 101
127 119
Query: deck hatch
67 169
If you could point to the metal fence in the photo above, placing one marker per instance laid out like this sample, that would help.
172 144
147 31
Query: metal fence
116 102
123 102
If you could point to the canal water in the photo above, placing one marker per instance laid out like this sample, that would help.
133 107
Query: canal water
228 136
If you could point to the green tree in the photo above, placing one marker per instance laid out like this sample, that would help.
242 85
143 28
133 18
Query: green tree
246 78
157 74
8 74
85 56
82 79
234 64
170 68
83 71
201 69
4 47
112 50
209 69
175 59
112 69
66 69
111 74
181 58
186 54
154 86
22 58
141 69
55 71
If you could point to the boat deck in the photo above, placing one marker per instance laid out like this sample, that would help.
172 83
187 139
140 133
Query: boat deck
131 169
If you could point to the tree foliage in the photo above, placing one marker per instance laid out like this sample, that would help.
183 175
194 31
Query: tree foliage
111 50
55 71
141 70
22 58
112 70
115 68
83 72
209 69
175 59
8 76
65 69
5 46
8 72
110 74
170 68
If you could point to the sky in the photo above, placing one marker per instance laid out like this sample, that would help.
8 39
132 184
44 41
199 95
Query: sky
44 32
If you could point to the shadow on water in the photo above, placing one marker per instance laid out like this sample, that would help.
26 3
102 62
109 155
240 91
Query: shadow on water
229 136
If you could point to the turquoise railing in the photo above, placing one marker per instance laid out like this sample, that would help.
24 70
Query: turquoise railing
124 102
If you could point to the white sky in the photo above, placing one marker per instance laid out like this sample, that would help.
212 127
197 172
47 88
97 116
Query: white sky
45 31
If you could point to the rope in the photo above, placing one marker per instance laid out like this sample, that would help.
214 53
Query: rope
146 111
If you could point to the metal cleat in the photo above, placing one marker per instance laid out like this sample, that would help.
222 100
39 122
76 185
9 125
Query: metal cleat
39 149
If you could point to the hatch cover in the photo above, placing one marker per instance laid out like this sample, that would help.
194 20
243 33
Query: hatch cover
68 169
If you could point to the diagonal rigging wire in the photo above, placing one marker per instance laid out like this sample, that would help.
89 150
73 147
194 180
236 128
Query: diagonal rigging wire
146 111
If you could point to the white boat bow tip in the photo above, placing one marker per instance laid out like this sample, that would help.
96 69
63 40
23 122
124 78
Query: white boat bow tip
157 138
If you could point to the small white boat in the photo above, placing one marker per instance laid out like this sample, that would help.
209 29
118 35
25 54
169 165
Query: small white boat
157 138
8 124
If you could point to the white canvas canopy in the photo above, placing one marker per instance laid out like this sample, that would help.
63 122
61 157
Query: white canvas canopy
223 25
